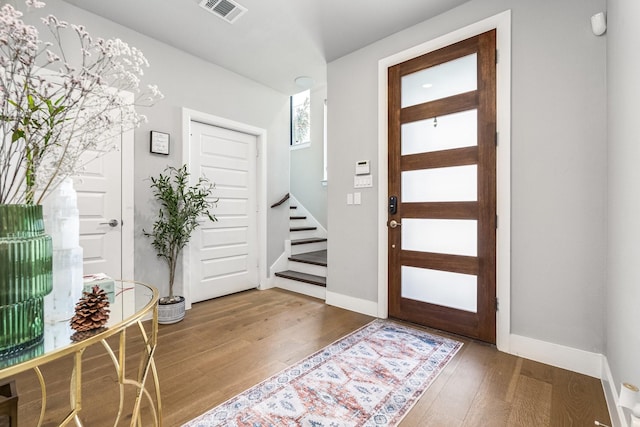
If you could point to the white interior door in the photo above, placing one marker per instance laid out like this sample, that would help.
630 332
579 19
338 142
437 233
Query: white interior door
100 203
223 255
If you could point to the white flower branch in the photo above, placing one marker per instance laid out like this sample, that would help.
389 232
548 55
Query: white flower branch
50 119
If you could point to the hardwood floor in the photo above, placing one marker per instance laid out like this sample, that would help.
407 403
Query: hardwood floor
229 344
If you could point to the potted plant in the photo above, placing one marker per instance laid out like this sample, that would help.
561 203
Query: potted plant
181 205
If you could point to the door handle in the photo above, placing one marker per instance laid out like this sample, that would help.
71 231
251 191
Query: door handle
112 223
393 223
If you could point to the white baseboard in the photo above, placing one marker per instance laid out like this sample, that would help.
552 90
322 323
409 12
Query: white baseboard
268 284
572 359
354 304
618 418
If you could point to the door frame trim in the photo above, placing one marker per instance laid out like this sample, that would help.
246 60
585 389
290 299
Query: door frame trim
502 23
189 115
127 207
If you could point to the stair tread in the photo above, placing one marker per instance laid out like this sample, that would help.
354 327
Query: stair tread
310 240
315 258
297 217
293 207
303 277
302 228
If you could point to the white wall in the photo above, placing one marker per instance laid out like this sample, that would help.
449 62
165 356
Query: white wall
623 284
307 164
187 81
558 165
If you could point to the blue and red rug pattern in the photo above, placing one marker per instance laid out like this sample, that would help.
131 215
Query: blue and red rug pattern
371 377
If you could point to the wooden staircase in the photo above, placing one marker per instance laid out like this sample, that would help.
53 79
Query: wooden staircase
306 252
317 258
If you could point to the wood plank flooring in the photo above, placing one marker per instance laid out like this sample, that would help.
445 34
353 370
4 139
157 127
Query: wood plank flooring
229 344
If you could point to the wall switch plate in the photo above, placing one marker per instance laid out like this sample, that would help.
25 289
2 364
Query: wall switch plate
357 199
363 181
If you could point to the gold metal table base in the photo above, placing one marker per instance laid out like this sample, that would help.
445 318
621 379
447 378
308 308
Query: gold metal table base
146 367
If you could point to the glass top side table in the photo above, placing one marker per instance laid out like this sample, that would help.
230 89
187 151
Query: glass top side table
130 303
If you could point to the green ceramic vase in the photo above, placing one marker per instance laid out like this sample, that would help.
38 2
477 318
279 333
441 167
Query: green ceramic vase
26 255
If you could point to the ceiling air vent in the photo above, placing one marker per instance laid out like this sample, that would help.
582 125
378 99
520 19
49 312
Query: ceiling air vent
224 9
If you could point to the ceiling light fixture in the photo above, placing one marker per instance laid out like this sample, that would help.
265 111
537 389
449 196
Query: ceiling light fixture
427 85
304 82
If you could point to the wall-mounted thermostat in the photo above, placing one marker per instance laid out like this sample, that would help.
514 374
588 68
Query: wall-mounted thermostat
362 167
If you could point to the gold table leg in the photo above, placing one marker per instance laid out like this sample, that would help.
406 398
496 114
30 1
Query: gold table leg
147 365
43 391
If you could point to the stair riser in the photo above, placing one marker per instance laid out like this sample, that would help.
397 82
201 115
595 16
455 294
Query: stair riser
301 288
303 267
308 247
307 234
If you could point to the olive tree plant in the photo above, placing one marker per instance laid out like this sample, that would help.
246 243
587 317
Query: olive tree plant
180 207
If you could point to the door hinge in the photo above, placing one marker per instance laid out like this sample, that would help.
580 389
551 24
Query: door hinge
497 304
496 138
496 221
497 56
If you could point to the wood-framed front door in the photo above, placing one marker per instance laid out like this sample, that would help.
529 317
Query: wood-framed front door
442 188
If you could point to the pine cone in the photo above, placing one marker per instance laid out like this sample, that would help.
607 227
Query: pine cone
92 310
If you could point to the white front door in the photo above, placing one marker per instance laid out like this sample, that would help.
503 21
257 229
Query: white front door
223 255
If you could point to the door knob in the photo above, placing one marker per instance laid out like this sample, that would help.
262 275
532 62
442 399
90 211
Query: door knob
393 223
112 223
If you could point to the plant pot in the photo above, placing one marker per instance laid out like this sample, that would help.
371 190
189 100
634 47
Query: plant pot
25 276
170 311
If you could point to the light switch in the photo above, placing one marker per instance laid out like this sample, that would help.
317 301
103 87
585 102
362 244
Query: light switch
357 199
362 181
349 198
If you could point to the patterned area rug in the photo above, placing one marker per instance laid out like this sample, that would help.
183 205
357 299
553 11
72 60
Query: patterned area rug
371 377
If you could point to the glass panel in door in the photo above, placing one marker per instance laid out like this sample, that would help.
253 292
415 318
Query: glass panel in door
444 288
444 80
442 236
446 132
457 183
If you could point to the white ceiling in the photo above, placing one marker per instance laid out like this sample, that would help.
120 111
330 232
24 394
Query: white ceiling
276 40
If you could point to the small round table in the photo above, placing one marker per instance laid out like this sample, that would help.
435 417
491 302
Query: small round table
130 303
